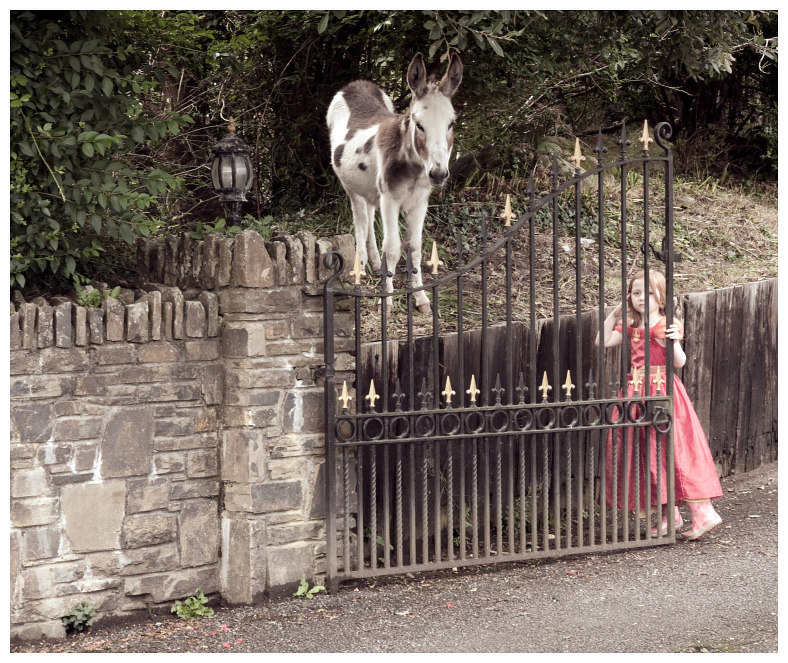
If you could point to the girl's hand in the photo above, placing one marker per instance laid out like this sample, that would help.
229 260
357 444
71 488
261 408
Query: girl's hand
672 332
617 311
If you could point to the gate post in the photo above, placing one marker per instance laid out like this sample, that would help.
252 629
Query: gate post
334 262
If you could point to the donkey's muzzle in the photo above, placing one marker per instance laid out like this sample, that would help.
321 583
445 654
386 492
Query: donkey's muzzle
438 176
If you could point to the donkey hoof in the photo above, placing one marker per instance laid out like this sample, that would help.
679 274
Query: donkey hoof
426 309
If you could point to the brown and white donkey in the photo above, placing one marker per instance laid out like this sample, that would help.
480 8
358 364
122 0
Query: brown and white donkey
391 162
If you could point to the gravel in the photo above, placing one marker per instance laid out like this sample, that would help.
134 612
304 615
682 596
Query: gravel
717 594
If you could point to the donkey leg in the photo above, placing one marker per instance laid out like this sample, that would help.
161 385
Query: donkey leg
392 245
372 244
363 226
413 245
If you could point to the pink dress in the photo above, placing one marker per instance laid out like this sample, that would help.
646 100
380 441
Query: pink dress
695 473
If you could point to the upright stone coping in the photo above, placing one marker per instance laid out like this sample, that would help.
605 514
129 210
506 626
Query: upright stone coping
171 440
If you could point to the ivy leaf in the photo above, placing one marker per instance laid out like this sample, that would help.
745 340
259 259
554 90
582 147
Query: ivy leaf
87 148
95 221
71 265
106 86
323 24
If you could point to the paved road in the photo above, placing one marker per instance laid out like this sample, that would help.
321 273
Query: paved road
716 594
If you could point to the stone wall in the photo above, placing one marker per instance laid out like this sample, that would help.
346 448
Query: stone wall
172 439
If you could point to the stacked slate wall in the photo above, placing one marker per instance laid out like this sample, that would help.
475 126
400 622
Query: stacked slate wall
171 439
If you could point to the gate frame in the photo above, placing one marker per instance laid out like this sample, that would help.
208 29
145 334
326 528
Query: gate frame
335 262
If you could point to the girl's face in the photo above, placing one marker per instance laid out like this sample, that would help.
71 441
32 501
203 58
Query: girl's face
637 297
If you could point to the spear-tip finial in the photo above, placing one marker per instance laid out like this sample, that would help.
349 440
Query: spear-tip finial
645 139
636 380
371 396
356 273
507 215
434 262
545 387
568 386
448 392
659 379
345 397
578 157
473 391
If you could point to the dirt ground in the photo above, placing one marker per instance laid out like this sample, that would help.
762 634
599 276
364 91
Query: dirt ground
717 594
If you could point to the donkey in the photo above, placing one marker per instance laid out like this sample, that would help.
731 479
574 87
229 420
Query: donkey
391 162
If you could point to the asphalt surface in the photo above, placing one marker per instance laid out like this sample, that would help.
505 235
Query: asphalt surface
717 594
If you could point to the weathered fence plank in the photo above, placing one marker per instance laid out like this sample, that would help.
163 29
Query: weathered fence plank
730 375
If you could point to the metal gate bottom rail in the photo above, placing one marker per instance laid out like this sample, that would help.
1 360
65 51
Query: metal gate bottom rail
660 540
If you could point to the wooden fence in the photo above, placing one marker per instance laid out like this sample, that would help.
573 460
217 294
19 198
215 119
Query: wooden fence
730 375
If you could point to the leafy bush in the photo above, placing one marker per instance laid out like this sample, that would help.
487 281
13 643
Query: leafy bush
193 607
79 617
79 127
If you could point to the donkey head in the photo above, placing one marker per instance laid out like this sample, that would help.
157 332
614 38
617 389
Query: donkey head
432 133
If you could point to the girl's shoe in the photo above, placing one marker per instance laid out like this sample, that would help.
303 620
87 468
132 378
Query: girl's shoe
664 525
704 518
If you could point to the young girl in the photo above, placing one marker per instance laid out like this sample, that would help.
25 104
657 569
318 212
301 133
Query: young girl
696 481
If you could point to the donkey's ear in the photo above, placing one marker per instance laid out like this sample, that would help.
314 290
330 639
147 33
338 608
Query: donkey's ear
417 76
453 77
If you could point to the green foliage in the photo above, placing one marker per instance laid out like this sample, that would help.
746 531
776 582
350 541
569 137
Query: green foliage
193 607
82 98
79 617
304 590
100 100
91 298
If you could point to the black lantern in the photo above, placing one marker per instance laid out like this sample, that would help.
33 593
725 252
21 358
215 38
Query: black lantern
231 172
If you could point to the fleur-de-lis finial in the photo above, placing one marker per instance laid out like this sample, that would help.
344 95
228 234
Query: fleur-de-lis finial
578 157
568 386
545 387
356 273
507 215
345 397
660 380
448 392
371 396
498 389
645 139
590 385
434 262
424 395
521 389
398 396
636 380
473 391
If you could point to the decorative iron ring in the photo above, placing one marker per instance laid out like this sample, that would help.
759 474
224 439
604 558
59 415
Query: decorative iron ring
552 418
631 406
448 417
609 414
576 415
365 428
663 131
345 423
491 421
404 433
597 415
662 419
469 428
517 419
427 432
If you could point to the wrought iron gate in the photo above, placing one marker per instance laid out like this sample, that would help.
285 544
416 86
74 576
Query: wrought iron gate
508 467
